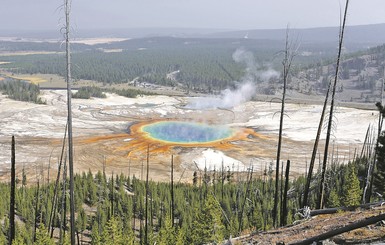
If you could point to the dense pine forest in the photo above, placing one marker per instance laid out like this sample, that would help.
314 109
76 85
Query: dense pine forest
198 64
217 205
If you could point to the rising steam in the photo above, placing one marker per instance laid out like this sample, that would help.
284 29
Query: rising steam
244 90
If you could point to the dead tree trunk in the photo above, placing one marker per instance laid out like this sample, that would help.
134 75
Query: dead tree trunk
112 197
55 193
315 148
12 196
63 220
339 209
341 38
69 110
284 209
147 193
36 210
172 190
353 226
289 54
250 177
369 179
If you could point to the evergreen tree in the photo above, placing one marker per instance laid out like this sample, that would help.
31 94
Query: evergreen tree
112 234
181 237
351 189
167 233
42 236
207 226
81 222
379 175
95 236
334 200
18 241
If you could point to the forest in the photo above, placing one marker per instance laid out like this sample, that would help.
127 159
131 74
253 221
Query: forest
202 64
21 91
120 209
193 64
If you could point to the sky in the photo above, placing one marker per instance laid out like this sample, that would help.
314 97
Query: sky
39 15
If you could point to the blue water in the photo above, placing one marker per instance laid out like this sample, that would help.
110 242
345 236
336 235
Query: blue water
187 132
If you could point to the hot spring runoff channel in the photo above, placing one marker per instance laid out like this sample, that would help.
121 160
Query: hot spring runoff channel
187 132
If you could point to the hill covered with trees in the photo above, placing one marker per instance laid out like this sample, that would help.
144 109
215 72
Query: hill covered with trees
118 209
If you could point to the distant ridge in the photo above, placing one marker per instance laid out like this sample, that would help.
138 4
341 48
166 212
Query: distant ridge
370 34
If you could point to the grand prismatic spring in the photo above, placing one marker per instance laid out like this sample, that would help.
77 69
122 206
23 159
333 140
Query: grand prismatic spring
187 132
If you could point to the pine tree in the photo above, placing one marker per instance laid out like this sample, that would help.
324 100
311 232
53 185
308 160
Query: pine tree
207 226
112 234
181 237
95 236
379 175
334 200
42 236
18 241
167 233
81 222
351 188
129 235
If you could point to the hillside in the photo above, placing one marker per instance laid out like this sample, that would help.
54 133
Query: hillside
206 65
360 78
321 224
360 36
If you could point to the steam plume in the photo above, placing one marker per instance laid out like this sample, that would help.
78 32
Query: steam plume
245 89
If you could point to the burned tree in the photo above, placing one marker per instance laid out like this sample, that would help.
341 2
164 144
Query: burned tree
289 54
67 8
12 198
320 203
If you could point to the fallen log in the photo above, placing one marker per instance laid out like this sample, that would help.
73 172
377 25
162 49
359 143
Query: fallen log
353 226
335 210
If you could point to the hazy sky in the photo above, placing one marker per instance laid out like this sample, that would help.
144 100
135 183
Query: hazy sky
223 14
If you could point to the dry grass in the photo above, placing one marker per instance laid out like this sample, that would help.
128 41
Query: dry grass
32 79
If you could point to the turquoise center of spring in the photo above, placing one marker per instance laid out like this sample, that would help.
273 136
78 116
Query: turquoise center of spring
187 132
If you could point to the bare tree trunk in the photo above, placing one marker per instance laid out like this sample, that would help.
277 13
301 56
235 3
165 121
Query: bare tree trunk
366 195
281 191
112 195
284 210
341 37
55 194
69 109
36 210
147 193
172 190
369 179
315 148
287 61
250 177
63 222
350 227
365 141
12 196
133 212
